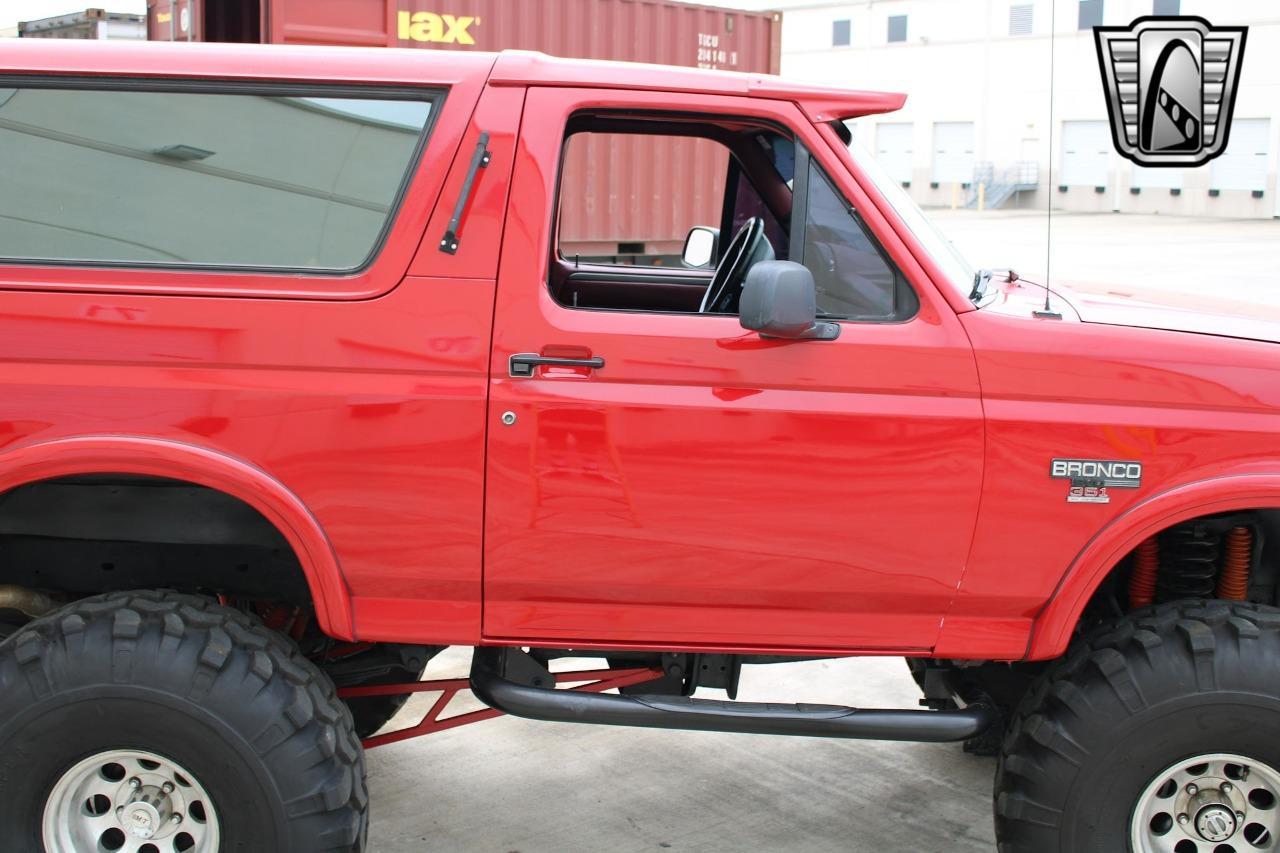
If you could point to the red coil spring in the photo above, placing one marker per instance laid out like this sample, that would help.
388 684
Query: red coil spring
1233 582
1142 582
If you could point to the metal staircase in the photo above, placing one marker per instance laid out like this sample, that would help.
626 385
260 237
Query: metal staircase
999 187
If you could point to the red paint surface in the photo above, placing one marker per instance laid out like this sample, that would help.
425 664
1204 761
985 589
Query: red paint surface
646 504
884 492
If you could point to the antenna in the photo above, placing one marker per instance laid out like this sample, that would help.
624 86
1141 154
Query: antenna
1047 311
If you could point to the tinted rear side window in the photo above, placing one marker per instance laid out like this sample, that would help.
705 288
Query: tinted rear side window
304 181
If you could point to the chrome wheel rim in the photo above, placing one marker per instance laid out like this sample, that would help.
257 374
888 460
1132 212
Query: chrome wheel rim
129 801
1219 803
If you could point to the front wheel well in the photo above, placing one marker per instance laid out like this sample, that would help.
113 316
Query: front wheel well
1233 555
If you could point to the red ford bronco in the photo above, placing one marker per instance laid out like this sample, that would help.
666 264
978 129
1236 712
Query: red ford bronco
299 388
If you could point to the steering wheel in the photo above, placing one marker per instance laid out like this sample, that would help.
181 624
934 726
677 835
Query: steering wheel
746 248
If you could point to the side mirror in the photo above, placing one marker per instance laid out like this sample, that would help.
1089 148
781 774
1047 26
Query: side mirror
700 247
780 300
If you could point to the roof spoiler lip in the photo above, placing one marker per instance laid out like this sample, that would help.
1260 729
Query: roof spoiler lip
849 105
818 103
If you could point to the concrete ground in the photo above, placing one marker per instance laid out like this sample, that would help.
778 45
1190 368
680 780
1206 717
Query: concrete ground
512 785
1236 260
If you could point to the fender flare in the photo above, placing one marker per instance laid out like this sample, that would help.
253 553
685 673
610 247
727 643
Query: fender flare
176 460
1053 627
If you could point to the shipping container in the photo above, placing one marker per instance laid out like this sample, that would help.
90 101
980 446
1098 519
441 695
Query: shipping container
597 222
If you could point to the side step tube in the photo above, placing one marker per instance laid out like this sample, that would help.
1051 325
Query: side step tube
712 715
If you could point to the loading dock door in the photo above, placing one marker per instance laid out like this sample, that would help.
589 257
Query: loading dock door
895 148
1086 153
953 152
1243 166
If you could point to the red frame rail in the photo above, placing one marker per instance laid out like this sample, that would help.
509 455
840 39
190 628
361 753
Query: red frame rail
599 680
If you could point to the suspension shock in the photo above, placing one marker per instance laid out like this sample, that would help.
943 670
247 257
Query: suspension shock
1233 581
1199 559
1142 581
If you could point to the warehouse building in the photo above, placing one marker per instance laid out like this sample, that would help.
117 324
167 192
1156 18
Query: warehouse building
86 24
978 76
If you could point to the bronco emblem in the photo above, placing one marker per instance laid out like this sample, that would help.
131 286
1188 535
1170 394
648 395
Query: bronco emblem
1170 85
1090 478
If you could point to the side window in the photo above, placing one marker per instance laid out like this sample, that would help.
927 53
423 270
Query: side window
305 179
632 187
631 198
854 279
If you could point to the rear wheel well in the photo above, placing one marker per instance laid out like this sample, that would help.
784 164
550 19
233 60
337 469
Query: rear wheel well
68 538
82 535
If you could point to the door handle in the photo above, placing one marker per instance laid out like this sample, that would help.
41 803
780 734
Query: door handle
523 364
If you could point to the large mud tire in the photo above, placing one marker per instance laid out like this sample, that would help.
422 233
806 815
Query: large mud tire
206 687
1164 685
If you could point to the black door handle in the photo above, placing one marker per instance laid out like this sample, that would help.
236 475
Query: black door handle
522 364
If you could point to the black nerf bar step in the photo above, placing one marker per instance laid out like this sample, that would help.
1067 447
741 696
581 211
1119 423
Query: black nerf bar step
493 671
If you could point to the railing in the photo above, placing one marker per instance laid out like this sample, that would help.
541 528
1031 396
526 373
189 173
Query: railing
991 188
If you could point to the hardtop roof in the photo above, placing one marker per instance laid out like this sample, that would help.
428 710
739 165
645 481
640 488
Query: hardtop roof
380 65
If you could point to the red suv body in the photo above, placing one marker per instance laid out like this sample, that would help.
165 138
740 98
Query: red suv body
709 489
955 479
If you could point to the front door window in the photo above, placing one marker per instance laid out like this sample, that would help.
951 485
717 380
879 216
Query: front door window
631 190
853 277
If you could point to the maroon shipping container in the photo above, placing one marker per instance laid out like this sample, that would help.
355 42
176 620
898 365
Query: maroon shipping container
616 212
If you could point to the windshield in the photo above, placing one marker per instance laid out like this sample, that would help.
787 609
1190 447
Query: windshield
944 254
